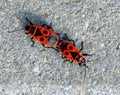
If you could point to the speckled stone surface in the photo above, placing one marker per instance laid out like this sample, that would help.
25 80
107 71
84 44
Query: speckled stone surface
26 70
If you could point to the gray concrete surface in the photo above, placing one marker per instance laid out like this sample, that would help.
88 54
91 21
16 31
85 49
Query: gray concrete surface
26 70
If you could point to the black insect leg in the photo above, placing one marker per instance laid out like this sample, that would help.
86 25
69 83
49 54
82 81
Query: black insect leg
29 21
85 54
48 26
69 39
66 36
81 46
50 47
45 25
54 49
84 65
33 43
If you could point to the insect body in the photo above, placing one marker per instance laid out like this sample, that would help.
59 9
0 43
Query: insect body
69 51
42 33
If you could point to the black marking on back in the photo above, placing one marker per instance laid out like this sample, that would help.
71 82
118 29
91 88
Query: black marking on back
74 54
38 33
63 46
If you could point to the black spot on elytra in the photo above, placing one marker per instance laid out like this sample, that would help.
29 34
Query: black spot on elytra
41 39
66 53
45 32
74 54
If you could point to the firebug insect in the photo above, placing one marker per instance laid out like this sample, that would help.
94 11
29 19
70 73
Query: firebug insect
69 51
42 33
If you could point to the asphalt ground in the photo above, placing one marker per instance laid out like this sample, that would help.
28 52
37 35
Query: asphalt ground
27 70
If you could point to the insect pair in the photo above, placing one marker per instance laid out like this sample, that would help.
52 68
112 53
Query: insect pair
66 47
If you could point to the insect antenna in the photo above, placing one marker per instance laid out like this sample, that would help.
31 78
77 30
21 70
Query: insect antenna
86 66
85 73
16 29
20 19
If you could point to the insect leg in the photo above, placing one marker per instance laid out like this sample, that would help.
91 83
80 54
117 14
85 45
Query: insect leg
45 25
33 43
29 21
83 64
85 54
69 39
54 48
48 26
81 46
50 47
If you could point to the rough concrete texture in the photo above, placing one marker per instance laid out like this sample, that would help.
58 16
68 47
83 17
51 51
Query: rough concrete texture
26 70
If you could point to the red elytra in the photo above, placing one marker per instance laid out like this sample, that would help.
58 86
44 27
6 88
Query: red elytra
42 34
